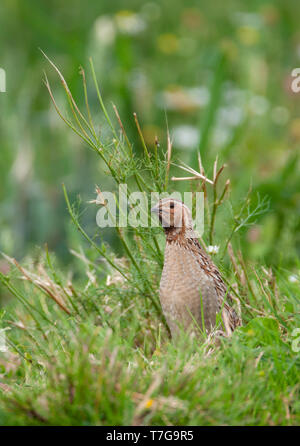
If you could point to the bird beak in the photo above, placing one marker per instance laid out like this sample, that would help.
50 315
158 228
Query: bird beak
155 209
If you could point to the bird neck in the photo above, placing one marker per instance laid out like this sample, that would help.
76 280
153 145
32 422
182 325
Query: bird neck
180 235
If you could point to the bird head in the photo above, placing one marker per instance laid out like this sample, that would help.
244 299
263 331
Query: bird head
173 215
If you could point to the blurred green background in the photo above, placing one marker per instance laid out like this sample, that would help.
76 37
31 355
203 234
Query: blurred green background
220 71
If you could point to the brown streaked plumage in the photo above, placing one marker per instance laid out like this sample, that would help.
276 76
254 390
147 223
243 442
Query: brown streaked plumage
190 281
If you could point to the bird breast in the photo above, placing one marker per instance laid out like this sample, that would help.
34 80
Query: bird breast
186 290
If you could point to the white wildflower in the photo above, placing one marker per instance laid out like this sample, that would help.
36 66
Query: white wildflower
293 278
213 249
231 115
105 30
185 136
129 22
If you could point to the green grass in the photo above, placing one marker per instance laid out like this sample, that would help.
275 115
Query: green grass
112 363
94 349
241 54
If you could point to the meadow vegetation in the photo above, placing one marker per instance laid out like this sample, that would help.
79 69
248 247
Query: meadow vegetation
87 341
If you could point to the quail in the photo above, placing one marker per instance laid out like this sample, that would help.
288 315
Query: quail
192 291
